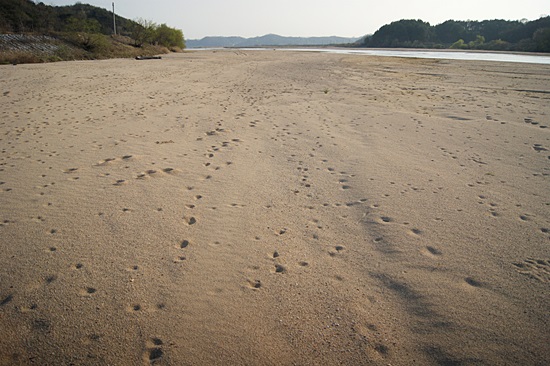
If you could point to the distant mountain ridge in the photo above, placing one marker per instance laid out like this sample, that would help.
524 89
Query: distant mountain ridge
266 40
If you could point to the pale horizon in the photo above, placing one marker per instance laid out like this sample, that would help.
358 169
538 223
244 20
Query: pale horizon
308 18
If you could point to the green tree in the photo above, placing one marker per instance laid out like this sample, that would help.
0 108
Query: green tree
459 45
478 43
497 45
84 25
142 31
542 39
401 33
449 31
169 37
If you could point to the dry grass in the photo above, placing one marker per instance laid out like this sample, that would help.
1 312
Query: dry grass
76 47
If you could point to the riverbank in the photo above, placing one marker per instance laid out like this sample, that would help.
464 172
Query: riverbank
31 48
241 207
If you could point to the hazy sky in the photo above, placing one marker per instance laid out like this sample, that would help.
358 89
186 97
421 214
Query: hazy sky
347 18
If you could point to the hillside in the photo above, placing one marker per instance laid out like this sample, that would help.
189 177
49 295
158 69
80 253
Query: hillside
267 40
24 16
501 35
40 33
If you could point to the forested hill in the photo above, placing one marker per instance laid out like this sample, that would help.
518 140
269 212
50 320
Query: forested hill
502 35
25 16
31 32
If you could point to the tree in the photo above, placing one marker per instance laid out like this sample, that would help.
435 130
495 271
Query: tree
142 31
542 39
478 43
86 33
459 45
450 31
401 33
84 25
169 37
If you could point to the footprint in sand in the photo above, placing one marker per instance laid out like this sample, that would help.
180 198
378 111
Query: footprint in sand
88 291
154 352
537 269
473 282
280 268
190 220
433 251
254 284
415 232
105 161
180 259
120 182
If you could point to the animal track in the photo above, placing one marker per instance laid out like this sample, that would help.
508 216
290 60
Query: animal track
473 282
433 251
416 231
190 220
538 269
156 173
539 148
256 284
105 161
279 268
154 351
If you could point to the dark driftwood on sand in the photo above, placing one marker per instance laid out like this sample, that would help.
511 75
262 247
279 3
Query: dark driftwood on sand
148 58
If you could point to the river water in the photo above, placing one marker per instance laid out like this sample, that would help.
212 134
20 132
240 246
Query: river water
447 55
433 54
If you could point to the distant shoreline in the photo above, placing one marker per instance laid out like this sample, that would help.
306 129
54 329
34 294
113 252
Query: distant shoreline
522 57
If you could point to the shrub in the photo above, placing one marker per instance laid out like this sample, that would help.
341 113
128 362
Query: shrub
459 45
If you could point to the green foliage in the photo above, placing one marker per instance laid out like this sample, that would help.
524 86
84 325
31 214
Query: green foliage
81 31
402 33
450 31
82 25
169 37
497 45
542 39
478 43
459 45
487 34
147 32
142 31
83 21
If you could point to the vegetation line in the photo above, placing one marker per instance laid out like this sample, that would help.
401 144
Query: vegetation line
497 35
33 32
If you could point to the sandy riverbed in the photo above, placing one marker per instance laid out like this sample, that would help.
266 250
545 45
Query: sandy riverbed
274 208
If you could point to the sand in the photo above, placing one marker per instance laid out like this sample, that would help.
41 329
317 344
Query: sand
274 208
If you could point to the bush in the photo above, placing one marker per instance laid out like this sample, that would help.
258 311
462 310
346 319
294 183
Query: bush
542 39
498 45
460 45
